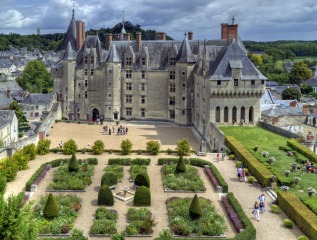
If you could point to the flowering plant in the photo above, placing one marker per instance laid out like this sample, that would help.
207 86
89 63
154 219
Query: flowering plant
287 171
311 190
265 154
284 188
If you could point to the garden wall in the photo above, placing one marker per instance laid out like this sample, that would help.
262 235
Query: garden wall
278 130
216 137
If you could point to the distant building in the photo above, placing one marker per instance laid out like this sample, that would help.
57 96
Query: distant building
6 67
288 66
8 127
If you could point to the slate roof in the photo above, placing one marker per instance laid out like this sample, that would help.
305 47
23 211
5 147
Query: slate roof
281 111
38 98
311 82
11 85
6 117
277 91
185 53
5 63
271 84
70 35
4 100
69 53
113 54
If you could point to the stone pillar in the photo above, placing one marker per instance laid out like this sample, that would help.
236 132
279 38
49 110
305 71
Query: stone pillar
229 115
246 120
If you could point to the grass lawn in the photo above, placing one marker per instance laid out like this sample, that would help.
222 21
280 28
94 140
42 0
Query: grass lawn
270 142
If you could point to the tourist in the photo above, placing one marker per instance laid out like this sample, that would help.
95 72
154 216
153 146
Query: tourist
109 131
113 128
126 130
61 145
240 170
218 156
223 156
256 211
262 199
105 129
261 205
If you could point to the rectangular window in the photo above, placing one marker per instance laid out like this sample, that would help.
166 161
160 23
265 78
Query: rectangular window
86 59
78 84
142 74
184 98
109 108
143 61
78 110
86 94
142 86
91 72
172 74
78 95
128 74
172 87
235 82
128 111
86 72
142 112
110 71
184 86
128 98
142 99
129 61
262 82
86 83
172 61
172 101
183 73
172 114
128 86
253 82
183 112
92 60
218 82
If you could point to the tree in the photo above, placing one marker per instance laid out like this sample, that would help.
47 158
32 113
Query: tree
70 147
153 147
105 196
35 78
195 210
181 166
98 147
73 164
291 94
183 147
256 59
18 111
305 89
51 209
299 73
126 147
43 146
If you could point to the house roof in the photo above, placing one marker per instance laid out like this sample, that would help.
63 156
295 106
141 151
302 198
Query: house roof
6 117
4 100
113 54
70 35
38 99
311 82
5 63
11 85
278 111
185 53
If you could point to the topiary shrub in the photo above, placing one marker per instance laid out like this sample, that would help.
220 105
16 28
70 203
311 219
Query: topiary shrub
109 179
73 164
105 196
51 208
238 163
251 179
126 147
43 146
98 147
142 197
195 210
288 223
232 156
183 147
70 147
181 167
142 179
153 147
275 209
302 238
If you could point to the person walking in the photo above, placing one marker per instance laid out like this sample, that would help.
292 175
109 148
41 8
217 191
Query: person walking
61 145
223 156
126 130
262 200
218 156
256 211
240 171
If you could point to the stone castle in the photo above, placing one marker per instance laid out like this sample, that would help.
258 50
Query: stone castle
188 82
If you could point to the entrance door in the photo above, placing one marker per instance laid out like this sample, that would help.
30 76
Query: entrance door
115 116
95 114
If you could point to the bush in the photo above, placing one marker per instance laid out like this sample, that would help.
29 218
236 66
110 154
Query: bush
10 168
302 238
232 156
3 183
275 209
182 147
105 196
43 146
21 160
70 147
118 236
288 223
51 209
73 164
142 179
119 161
169 151
181 167
251 179
109 179
246 171
238 163
141 161
195 210
98 147
142 197
30 151
153 147
126 147
302 149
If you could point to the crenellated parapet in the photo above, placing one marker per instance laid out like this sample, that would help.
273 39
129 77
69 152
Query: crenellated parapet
254 93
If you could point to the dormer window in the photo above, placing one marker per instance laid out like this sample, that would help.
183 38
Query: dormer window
129 61
235 82
172 61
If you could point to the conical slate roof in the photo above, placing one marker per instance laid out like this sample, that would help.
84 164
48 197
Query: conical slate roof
70 35
69 53
185 53
113 55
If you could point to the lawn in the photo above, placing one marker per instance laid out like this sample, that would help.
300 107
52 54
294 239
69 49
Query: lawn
270 142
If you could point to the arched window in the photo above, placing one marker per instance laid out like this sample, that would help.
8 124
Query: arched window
251 114
225 114
242 114
234 114
218 114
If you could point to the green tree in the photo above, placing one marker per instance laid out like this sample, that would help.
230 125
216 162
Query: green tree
30 151
183 147
299 73
18 111
153 147
305 89
43 146
70 147
73 164
290 94
256 59
181 166
35 78
98 147
195 210
126 147
51 209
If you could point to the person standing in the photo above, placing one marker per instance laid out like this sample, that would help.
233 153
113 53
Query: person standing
240 171
218 156
223 156
256 211
262 200
126 130
61 145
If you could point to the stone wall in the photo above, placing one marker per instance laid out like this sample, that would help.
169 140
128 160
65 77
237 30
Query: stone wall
215 137
278 130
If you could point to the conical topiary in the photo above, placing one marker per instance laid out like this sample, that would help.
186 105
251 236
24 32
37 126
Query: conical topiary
109 179
195 210
142 197
181 167
105 196
142 179
51 208
73 164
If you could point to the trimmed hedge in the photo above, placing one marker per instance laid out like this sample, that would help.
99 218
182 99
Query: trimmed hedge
142 197
295 145
141 161
109 179
162 161
51 209
195 210
257 169
105 196
142 179
297 211
129 161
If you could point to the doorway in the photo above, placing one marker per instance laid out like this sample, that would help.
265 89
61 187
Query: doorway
95 114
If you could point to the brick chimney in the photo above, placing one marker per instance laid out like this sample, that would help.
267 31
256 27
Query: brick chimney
190 35
160 36
138 42
292 104
108 41
229 32
305 109
80 34
116 36
126 37
8 93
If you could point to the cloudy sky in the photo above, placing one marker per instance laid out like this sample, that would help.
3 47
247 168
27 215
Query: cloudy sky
259 20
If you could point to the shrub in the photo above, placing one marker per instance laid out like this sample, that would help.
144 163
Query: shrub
232 156
288 223
142 179
195 210
10 168
51 208
43 146
98 147
109 179
153 147
118 236
73 164
275 209
3 183
251 179
181 167
105 196
142 197
126 147
119 161
30 151
238 163
295 145
182 147
246 171
302 238
169 151
70 147
232 214
141 161
21 160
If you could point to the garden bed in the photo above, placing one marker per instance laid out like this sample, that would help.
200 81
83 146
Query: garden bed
140 221
209 224
188 181
104 223
212 177
69 206
117 170
232 214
